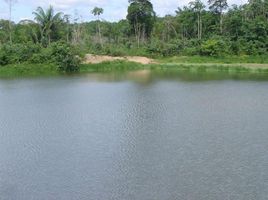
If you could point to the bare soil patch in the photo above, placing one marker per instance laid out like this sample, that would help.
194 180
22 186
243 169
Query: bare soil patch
95 59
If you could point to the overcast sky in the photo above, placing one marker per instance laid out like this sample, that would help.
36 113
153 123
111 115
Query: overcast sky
113 9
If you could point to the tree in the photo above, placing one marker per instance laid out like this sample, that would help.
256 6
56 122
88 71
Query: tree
76 28
218 6
10 4
4 31
97 12
169 27
47 21
66 25
197 6
186 19
26 31
141 17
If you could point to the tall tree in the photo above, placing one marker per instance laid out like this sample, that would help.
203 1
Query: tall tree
198 7
141 17
218 7
169 29
185 19
10 4
47 20
97 12
66 23
76 28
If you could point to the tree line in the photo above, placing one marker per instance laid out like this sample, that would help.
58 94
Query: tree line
217 29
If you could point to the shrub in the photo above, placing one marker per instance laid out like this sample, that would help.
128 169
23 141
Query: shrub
44 56
3 57
64 57
165 49
17 53
214 47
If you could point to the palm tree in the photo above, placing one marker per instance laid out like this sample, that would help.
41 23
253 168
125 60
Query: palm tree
97 12
47 21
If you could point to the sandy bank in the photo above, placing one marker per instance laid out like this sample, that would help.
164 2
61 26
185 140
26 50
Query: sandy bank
95 59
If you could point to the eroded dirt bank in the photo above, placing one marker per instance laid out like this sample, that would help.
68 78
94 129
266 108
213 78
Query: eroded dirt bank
95 59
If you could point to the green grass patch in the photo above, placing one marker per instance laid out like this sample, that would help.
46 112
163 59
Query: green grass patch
221 60
22 70
32 70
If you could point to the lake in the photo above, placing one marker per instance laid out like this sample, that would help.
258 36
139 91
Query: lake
137 135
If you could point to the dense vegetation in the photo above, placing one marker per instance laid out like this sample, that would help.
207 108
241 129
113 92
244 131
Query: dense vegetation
215 30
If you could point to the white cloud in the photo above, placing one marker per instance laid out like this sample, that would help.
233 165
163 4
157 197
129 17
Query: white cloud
64 4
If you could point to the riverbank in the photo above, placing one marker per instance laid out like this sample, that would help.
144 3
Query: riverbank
31 70
259 59
107 63
96 59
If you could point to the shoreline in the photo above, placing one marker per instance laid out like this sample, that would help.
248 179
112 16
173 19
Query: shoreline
32 70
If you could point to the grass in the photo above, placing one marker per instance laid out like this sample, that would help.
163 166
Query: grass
204 67
22 70
219 60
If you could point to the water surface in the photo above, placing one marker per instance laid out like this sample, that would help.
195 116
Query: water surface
137 135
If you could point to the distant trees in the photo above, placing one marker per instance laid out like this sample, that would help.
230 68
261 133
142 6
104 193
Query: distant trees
193 30
47 20
97 12
218 6
141 17
198 7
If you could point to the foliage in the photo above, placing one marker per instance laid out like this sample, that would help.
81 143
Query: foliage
97 11
64 57
214 47
17 53
48 21
61 54
141 17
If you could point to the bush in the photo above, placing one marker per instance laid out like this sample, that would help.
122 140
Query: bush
64 57
214 47
44 56
165 49
17 53
3 57
59 53
113 50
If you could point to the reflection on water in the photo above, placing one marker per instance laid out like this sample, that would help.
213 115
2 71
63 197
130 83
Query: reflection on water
134 135
150 75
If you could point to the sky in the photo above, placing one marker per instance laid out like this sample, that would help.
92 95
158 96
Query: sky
114 10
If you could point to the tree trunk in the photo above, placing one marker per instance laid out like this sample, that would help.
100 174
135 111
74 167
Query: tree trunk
137 29
198 26
10 14
221 22
201 27
176 34
99 30
143 33
49 39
